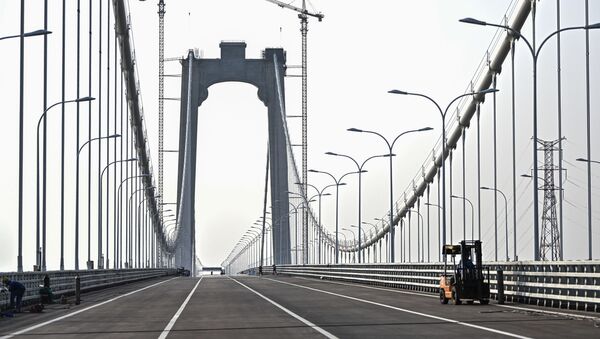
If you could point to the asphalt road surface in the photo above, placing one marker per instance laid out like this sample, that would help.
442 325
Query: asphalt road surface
285 307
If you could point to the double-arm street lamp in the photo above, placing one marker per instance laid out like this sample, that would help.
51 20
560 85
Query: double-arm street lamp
390 148
338 183
535 52
359 168
353 237
443 114
320 193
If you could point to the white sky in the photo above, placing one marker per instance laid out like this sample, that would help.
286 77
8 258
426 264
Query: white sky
358 52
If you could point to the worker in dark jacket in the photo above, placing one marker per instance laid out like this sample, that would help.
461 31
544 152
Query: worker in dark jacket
17 290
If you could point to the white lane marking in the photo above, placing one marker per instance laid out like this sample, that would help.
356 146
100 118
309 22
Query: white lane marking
371 287
173 320
404 310
568 315
29 329
533 310
306 322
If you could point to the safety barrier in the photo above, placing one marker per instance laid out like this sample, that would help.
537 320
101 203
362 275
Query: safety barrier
563 284
63 282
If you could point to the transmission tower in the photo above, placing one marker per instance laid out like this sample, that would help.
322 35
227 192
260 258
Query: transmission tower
161 90
550 244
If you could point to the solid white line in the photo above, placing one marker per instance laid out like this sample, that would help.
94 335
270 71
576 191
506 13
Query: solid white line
306 322
533 310
404 310
171 323
567 315
28 329
371 287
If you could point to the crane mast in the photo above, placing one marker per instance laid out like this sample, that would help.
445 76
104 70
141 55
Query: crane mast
161 89
303 16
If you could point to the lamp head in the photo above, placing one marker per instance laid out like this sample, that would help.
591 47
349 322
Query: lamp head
473 21
396 91
425 129
38 32
331 153
484 188
354 130
85 99
581 159
594 26
487 91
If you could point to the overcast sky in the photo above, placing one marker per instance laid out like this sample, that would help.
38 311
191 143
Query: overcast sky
358 52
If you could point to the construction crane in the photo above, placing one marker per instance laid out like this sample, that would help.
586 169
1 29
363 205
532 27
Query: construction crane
303 16
161 90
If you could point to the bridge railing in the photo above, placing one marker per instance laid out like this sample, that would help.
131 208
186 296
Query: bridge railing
560 284
63 282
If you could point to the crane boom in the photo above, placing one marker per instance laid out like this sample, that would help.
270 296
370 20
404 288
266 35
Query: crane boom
281 4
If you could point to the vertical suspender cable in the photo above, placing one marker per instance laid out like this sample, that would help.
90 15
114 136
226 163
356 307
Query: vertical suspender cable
77 129
107 127
62 143
588 117
99 237
494 79
514 161
89 178
559 109
21 113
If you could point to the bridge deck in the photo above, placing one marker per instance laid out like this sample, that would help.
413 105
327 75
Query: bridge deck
278 307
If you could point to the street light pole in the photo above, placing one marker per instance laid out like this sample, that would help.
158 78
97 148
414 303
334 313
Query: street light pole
77 195
41 257
100 212
506 218
338 183
390 148
535 52
120 212
443 155
359 171
472 217
320 194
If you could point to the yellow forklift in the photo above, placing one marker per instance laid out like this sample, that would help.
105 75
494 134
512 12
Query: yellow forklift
466 281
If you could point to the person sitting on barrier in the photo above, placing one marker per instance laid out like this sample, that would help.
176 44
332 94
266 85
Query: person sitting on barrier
46 294
17 290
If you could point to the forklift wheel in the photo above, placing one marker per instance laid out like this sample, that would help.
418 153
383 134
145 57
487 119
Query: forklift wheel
484 301
455 297
470 302
443 299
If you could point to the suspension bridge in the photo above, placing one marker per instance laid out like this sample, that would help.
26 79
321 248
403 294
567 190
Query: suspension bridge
128 259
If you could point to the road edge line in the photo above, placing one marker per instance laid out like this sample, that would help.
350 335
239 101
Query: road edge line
31 328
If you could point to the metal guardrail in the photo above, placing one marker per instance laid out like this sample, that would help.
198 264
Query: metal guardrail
564 284
63 282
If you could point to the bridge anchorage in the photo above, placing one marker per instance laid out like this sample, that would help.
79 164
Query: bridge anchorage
198 74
